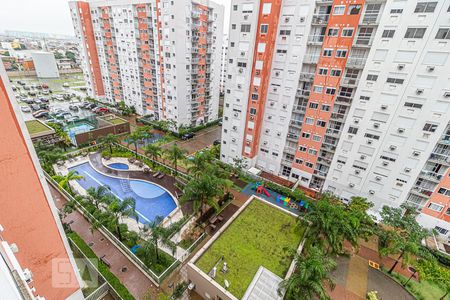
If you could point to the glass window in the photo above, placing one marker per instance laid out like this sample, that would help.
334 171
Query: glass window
235 7
396 11
333 32
264 28
245 27
339 10
415 33
425 7
327 52
341 53
347 32
443 34
388 33
354 9
430 127
323 71
313 105
309 121
330 91
371 77
435 207
336 72
318 89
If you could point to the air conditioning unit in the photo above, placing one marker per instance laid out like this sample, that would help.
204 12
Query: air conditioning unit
236 115
385 163
419 91
351 184
286 19
407 170
357 171
384 106
272 103
239 86
430 68
242 53
267 130
416 153
234 128
279 134
356 121
362 157
241 70
447 94
284 106
28 275
302 19
277 73
401 130
377 178
376 125
265 143
369 142
233 140
392 147
400 66
252 118
247 142
245 17
275 89
371 192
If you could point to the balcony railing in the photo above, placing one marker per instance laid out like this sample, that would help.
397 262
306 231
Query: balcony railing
320 19
315 39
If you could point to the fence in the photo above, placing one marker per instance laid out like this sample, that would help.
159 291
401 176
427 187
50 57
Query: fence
106 287
157 279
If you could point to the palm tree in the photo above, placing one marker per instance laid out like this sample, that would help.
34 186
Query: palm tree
119 209
310 277
98 195
109 140
49 156
203 191
153 151
175 154
63 180
199 164
135 138
158 235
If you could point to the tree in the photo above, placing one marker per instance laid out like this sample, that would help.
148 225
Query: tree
158 235
333 222
154 151
70 55
109 140
98 195
135 138
203 191
119 209
58 55
175 154
310 277
400 233
431 270
63 180
62 134
49 155
199 164
239 164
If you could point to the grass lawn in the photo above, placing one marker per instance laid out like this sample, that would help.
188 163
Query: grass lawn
35 126
260 236
116 121
423 290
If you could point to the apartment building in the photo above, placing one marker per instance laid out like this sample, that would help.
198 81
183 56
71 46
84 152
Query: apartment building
35 258
224 62
395 141
162 57
304 60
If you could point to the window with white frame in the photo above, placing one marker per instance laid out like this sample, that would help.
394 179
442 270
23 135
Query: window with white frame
425 7
264 28
318 89
415 33
341 53
347 32
339 10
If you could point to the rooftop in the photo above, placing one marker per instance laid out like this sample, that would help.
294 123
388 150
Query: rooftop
261 235
37 128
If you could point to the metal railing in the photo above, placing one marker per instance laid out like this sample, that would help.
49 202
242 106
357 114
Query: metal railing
124 249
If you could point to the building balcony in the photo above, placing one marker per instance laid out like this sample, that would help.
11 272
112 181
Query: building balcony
439 158
295 123
315 39
370 18
320 19
363 41
307 76
356 62
311 58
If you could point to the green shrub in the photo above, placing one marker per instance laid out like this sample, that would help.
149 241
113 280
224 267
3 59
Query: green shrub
102 268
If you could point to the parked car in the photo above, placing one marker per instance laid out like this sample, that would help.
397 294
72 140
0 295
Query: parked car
28 101
20 82
216 142
45 92
91 106
31 93
45 100
188 136
26 88
37 101
66 85
35 107
44 106
67 96
100 110
44 86
58 98
13 87
73 119
73 107
41 114
25 109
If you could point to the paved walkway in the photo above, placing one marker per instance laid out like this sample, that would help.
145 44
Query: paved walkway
202 139
135 281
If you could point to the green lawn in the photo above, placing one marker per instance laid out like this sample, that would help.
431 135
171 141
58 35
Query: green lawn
261 236
35 126
423 290
116 121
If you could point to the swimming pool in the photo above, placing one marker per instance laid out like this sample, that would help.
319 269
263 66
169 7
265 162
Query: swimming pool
151 200
73 130
119 166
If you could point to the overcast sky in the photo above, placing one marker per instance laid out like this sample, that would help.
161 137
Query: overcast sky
49 16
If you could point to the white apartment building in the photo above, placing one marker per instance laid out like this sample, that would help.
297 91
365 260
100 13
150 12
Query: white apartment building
399 119
162 57
285 112
224 63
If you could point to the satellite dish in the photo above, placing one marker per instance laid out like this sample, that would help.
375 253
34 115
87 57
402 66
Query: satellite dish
227 284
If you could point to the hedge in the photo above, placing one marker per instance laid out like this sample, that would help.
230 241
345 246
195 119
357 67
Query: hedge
102 268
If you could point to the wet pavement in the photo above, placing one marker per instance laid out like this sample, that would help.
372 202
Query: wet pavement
202 139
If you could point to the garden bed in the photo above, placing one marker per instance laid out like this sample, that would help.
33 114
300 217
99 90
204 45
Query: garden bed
261 235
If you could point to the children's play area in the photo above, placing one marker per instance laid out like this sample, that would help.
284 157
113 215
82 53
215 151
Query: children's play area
259 189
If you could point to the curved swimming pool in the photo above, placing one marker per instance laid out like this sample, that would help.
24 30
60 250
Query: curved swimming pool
119 166
151 199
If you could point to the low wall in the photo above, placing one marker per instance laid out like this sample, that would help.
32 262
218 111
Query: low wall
33 73
93 135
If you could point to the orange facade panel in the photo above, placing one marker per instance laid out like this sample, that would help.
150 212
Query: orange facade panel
440 197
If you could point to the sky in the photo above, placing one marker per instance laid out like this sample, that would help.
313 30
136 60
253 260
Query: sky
49 16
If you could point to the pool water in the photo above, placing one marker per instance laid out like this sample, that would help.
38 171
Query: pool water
73 130
151 200
119 166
